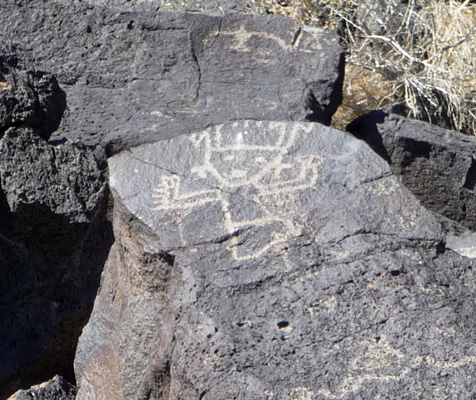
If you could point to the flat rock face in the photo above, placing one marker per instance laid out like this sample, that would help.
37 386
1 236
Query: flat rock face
247 171
437 165
272 260
136 77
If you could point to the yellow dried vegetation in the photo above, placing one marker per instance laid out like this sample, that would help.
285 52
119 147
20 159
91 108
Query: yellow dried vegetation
417 54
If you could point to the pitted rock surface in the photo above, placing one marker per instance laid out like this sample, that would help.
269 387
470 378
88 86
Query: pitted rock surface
210 6
218 7
54 239
437 165
55 389
64 178
124 5
272 260
28 97
135 77
54 233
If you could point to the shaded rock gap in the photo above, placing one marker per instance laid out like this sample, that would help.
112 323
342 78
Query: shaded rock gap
470 181
297 37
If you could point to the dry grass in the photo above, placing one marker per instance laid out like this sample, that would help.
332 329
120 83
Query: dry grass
363 91
418 55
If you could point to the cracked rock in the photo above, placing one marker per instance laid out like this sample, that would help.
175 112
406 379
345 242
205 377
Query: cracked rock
55 389
437 165
54 234
260 260
28 97
133 77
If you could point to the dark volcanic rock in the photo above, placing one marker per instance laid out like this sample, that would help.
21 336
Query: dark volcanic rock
437 165
272 260
218 7
54 239
209 6
55 389
62 178
54 235
28 97
136 77
124 5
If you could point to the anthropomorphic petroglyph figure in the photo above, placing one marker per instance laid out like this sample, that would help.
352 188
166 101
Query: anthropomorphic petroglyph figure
246 166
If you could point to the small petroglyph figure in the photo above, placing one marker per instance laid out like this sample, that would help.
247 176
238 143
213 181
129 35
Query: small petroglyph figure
253 168
5 86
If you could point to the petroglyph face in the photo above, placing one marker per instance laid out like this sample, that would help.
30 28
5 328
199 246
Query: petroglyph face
240 159
235 168
261 166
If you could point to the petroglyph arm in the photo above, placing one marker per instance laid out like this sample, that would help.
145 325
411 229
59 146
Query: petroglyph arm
168 196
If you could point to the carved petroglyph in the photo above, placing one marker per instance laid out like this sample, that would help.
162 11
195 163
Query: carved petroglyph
301 393
239 162
381 356
241 37
469 252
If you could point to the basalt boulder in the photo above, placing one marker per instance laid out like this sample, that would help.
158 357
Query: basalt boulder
210 6
55 389
133 77
275 260
54 232
437 165
29 97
